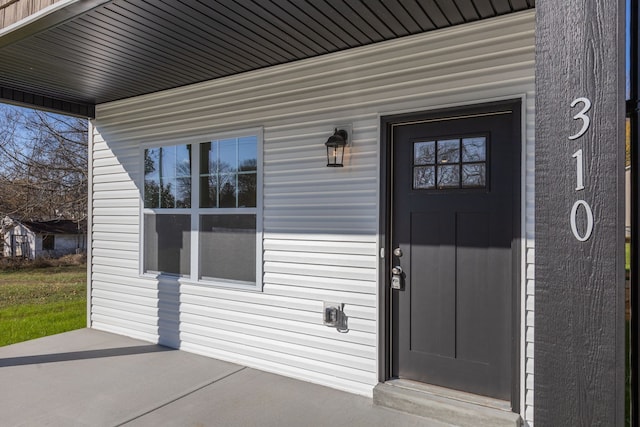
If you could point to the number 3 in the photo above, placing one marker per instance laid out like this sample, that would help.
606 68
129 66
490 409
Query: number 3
581 116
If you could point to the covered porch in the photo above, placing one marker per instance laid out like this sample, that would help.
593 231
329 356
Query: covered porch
93 378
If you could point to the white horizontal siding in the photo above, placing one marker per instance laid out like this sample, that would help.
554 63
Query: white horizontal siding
320 225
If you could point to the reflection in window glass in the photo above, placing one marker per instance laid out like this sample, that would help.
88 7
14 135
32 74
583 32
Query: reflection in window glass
424 177
227 191
228 178
473 149
247 156
224 222
424 153
227 160
450 163
473 175
167 177
448 176
449 151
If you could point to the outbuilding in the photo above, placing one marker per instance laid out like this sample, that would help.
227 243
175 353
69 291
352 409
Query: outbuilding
418 201
49 239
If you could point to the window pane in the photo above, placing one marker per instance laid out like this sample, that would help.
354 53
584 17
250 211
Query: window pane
228 247
474 149
474 175
223 187
167 244
424 177
228 190
448 176
247 187
151 178
209 191
449 151
228 161
205 158
167 193
248 154
424 153
167 180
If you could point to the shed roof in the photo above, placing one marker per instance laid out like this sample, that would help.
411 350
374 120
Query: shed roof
77 54
56 226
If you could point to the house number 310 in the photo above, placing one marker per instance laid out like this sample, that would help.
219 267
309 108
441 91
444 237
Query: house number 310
582 115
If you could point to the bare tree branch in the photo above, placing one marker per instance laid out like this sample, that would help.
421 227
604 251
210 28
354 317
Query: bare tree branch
43 165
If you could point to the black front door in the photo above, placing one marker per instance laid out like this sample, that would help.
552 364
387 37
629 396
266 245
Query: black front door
454 231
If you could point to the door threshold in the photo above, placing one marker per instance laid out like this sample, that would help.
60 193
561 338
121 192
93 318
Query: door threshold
445 405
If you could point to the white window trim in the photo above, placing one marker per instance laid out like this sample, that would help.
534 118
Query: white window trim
195 211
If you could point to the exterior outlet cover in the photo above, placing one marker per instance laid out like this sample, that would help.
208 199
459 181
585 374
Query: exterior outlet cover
331 313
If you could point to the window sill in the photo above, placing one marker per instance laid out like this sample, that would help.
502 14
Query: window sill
211 283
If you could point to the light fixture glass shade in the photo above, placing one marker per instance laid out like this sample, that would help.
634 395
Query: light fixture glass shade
335 148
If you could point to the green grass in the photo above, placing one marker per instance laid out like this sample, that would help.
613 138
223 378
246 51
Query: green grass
36 302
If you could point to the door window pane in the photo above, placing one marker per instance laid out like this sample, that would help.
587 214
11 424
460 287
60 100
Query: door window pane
448 176
424 177
424 153
473 175
450 163
474 149
449 151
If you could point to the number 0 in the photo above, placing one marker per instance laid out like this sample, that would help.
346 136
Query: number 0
574 227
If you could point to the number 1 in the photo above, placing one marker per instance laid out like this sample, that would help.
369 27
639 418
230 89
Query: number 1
579 173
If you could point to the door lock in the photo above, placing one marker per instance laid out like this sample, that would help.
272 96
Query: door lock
397 252
397 278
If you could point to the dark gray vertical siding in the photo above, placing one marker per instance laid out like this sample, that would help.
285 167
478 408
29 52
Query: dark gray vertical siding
579 299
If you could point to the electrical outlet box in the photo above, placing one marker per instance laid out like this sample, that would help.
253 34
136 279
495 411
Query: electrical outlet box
332 313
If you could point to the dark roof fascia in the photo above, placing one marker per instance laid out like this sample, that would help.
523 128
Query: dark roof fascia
54 105
35 25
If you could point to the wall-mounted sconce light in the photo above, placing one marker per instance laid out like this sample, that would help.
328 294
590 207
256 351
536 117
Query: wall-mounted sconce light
335 148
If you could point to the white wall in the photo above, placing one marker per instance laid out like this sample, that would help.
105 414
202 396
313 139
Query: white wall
63 244
320 224
20 230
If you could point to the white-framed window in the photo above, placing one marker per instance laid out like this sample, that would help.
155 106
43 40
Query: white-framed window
202 210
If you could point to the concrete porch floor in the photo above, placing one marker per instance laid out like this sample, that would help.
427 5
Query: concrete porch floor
93 378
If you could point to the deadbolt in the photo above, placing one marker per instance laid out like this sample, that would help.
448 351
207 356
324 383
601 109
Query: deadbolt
397 252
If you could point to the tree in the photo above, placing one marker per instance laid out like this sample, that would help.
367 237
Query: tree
43 165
